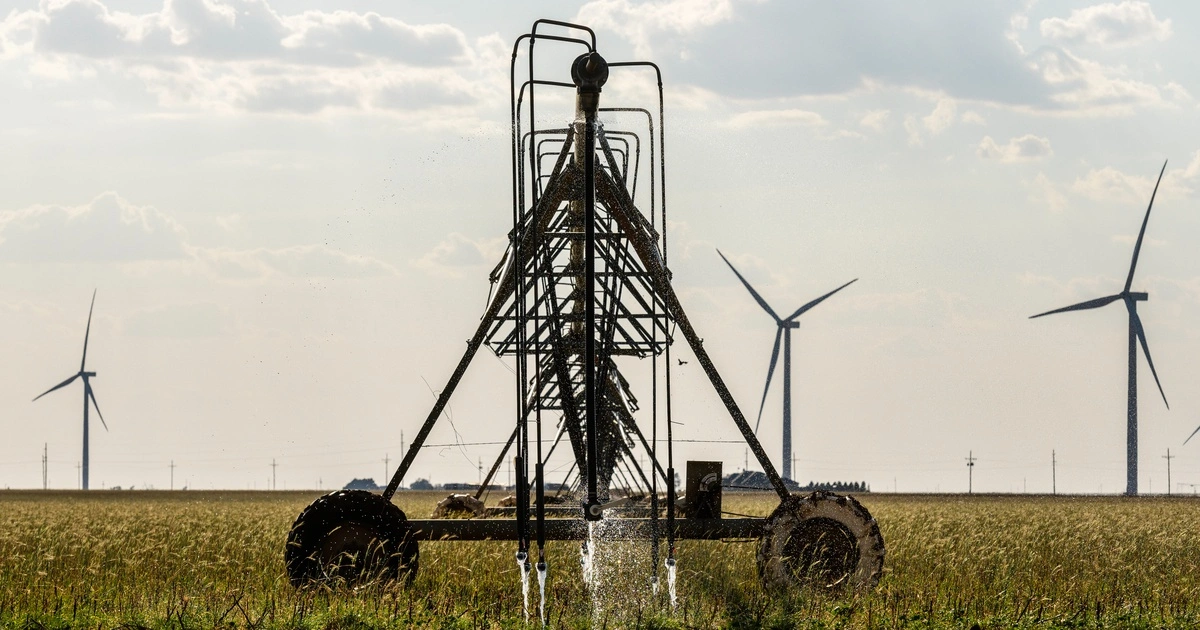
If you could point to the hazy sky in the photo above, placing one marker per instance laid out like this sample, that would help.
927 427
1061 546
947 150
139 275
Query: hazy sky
289 212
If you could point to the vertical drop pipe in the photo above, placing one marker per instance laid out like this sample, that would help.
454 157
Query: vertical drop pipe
589 72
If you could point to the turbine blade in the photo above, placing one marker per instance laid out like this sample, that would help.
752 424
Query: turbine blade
1096 303
803 309
770 372
88 331
59 386
1192 435
1137 248
757 298
90 394
1141 335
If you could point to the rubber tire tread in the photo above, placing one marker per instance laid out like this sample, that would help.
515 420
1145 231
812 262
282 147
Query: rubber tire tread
847 511
350 507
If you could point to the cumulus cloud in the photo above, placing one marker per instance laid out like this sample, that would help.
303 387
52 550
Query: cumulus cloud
875 119
229 30
643 23
750 49
913 131
776 117
973 118
457 252
106 229
1111 24
1043 191
244 54
942 116
1023 149
1082 84
1108 184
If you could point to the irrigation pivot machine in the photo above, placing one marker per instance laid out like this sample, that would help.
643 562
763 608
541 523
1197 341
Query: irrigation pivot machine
584 289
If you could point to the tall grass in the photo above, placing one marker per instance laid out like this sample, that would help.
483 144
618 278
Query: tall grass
214 559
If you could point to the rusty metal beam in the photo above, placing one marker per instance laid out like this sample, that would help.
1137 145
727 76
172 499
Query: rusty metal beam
620 206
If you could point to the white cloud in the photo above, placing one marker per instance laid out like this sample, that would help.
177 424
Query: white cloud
457 252
1025 148
942 116
1043 191
875 119
973 117
242 54
1111 185
1110 24
1088 86
776 117
106 229
644 23
301 261
914 132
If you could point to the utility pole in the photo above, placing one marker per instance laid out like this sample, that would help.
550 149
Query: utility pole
45 450
79 474
273 465
970 472
480 483
746 464
386 466
172 467
1053 473
1168 457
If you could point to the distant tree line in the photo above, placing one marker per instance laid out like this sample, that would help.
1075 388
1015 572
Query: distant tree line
836 486
757 480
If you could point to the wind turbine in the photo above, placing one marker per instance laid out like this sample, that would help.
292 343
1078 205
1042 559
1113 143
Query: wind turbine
1137 335
87 393
784 324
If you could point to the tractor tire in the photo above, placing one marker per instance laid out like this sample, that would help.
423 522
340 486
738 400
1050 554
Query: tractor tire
350 537
823 541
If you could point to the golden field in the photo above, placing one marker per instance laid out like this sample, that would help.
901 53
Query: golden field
215 559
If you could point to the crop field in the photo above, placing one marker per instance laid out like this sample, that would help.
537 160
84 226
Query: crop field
214 559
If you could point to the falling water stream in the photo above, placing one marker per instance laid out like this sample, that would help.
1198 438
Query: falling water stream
541 570
671 580
587 556
523 569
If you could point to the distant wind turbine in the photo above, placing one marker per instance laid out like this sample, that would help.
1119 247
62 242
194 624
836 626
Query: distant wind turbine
87 394
1137 334
785 324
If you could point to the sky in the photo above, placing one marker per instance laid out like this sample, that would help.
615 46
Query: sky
288 212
